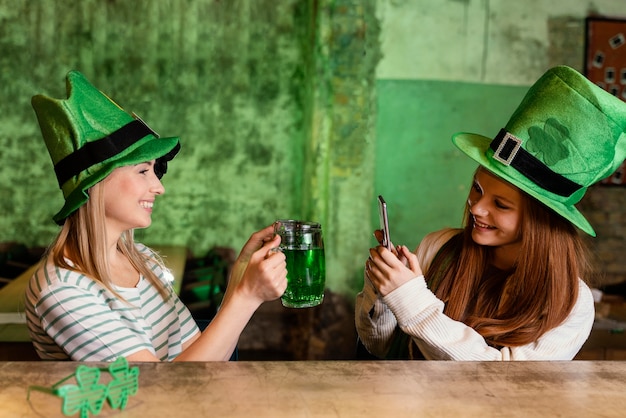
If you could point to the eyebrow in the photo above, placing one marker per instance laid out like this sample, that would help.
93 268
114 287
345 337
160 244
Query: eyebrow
497 196
150 163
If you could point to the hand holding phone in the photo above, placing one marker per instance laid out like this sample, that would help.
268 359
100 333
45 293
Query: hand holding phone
384 222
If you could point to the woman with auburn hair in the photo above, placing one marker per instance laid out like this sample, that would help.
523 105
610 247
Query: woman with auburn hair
98 295
509 284
476 282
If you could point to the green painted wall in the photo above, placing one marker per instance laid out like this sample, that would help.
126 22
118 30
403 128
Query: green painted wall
194 69
272 100
421 174
286 108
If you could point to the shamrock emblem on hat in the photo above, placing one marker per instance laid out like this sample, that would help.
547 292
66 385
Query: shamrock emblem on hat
550 143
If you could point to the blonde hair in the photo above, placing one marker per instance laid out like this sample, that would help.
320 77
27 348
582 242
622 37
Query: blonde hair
82 241
515 307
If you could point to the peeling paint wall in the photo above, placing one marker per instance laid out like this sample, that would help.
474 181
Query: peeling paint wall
271 100
201 72
484 41
451 66
285 108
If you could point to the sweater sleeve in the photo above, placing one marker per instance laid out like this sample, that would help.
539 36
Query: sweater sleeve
420 314
375 323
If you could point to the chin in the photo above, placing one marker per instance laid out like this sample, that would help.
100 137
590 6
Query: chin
480 238
142 224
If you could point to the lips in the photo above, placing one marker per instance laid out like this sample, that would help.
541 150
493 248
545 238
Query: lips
482 225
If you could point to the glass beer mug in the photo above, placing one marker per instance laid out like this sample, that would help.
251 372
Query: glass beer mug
303 246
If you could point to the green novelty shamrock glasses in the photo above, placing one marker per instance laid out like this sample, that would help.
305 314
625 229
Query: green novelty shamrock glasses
89 395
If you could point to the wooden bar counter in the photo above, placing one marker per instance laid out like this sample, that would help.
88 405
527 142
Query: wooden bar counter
341 389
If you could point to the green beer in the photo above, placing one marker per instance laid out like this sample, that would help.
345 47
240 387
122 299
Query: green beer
303 246
306 273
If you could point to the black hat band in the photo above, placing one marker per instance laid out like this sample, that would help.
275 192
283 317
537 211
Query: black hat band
508 150
95 152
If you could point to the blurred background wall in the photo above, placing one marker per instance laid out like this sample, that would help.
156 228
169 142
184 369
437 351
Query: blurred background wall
450 66
291 109
272 101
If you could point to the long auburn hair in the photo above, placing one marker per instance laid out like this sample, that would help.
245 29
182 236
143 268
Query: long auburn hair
82 240
518 306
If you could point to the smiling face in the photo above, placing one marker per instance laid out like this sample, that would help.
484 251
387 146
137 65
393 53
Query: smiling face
129 194
496 207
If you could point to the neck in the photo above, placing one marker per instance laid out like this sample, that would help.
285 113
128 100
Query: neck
123 273
505 258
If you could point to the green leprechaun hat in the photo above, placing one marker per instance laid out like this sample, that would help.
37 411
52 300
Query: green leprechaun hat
566 134
88 136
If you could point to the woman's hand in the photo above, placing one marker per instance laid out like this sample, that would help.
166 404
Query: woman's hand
255 243
259 275
387 272
378 234
265 275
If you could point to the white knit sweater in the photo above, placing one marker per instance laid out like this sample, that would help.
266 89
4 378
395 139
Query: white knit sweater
419 313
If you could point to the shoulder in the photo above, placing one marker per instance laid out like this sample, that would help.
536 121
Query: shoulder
583 312
582 315
51 280
432 243
151 256
49 273
585 296
440 237
154 262
145 250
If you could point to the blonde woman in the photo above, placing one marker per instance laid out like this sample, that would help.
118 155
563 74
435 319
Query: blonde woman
98 295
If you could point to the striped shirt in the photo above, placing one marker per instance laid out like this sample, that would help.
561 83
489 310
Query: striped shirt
71 316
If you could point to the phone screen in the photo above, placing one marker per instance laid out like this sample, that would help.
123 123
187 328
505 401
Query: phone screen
384 222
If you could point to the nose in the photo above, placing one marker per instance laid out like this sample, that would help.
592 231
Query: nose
477 208
157 187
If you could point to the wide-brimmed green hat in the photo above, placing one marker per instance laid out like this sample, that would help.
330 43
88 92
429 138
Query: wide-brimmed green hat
88 136
566 134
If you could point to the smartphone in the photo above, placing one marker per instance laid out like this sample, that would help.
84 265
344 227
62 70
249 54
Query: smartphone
384 222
